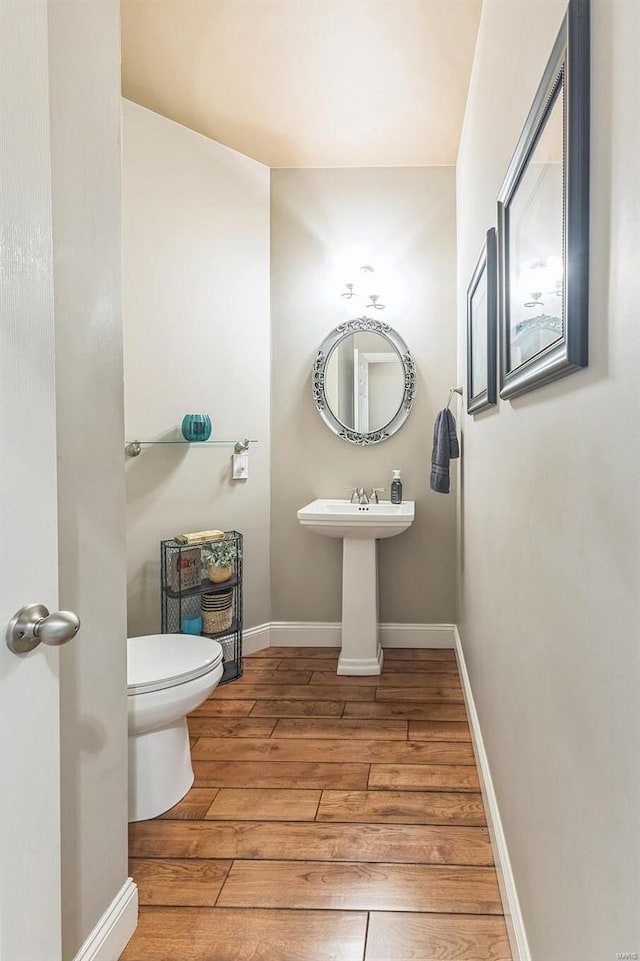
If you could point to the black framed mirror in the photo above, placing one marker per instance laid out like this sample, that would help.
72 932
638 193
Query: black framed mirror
543 223
363 381
482 294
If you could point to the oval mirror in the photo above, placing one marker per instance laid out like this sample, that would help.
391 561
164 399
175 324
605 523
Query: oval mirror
364 381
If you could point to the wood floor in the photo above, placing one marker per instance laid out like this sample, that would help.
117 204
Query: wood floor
331 819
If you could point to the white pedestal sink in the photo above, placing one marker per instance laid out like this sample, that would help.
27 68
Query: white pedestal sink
359 526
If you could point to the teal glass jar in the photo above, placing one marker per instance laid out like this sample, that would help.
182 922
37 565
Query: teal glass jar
196 427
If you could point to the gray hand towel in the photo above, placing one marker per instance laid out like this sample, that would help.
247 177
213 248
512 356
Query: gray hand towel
445 448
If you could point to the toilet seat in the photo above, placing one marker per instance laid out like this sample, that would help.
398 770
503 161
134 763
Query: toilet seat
156 662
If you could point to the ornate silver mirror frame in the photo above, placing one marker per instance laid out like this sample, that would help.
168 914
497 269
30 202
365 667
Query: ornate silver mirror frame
358 325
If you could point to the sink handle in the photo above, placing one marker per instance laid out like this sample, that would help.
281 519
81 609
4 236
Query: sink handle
374 494
354 494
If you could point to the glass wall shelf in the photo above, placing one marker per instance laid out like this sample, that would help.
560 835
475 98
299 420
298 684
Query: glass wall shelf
134 447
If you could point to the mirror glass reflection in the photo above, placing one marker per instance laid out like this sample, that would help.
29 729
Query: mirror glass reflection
535 256
479 364
364 381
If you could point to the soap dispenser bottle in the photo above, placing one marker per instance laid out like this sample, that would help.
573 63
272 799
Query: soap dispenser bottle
396 488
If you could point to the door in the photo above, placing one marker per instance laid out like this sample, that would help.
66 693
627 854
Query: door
29 684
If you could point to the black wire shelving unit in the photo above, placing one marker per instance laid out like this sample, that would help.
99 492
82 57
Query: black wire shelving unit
183 586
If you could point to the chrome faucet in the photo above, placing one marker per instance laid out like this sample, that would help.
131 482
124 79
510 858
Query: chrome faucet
358 495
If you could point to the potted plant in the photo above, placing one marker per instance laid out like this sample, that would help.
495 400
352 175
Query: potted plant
219 559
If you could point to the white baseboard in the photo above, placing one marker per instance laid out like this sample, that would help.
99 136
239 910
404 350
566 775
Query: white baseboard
327 634
111 934
305 634
256 638
417 635
513 914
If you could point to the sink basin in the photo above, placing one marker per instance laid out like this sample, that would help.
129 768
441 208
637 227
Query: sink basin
340 518
359 526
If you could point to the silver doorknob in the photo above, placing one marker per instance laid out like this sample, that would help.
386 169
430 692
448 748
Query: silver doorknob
34 623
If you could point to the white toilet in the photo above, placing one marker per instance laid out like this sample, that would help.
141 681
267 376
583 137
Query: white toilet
168 676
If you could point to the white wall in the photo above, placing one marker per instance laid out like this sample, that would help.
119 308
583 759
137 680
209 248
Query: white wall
196 305
549 562
84 73
408 215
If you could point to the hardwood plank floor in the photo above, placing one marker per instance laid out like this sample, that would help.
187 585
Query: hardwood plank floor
178 881
428 777
428 667
424 680
219 708
231 727
272 774
193 805
330 749
298 692
283 774
431 937
439 731
436 694
295 841
415 655
278 708
370 730
404 807
359 887
332 819
271 664
266 805
425 711
223 934
308 663
287 676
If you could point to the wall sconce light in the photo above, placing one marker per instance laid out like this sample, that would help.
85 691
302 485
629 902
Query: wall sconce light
544 278
366 282
374 302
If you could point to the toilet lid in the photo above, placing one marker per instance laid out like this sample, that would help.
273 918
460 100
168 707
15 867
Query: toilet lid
158 661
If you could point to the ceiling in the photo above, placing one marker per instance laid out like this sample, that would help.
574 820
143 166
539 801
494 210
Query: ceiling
307 83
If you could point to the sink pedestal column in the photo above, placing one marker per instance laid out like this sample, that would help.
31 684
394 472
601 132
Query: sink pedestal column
361 651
